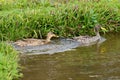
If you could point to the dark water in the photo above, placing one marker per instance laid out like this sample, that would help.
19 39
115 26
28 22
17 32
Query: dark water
95 62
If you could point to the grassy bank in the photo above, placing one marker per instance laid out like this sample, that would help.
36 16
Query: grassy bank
8 63
34 18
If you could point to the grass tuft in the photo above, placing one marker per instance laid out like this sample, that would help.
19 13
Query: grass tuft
9 69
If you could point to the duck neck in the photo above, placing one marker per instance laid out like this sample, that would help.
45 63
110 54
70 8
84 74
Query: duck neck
97 34
48 39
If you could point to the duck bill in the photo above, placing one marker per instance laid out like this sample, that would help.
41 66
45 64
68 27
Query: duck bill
104 29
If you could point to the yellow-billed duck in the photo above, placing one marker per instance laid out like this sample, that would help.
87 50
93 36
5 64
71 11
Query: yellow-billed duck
89 39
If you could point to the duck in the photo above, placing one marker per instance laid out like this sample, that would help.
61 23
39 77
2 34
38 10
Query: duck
89 39
35 42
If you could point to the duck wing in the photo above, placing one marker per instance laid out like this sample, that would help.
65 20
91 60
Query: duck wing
81 37
30 42
27 40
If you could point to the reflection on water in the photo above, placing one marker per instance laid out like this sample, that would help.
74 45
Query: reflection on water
95 62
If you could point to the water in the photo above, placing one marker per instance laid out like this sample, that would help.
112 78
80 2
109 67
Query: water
95 62
58 45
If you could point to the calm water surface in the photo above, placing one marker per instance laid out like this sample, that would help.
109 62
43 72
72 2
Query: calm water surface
96 62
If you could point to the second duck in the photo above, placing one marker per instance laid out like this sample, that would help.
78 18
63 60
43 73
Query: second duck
89 39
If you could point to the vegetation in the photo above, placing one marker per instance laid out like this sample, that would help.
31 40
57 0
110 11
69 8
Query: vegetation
34 18
8 63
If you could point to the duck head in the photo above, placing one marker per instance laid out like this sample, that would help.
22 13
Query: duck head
50 35
97 28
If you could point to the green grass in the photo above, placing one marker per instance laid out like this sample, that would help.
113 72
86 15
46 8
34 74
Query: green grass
8 63
34 18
